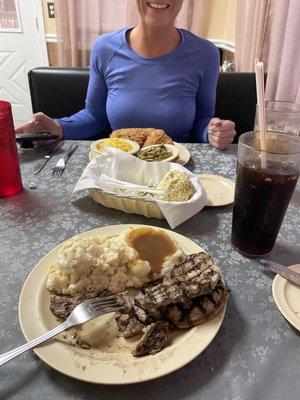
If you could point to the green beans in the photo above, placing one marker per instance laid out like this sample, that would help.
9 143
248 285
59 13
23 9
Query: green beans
156 153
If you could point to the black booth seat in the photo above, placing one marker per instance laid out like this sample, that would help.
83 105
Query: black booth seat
60 92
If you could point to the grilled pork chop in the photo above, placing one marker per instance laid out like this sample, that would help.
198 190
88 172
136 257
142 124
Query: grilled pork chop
129 325
198 310
62 305
192 276
192 293
156 337
181 314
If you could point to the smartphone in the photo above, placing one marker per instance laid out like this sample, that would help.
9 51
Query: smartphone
26 139
35 136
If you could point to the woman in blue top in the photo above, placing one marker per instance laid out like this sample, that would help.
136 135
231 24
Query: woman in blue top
153 75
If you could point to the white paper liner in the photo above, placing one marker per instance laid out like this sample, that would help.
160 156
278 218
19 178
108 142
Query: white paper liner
119 165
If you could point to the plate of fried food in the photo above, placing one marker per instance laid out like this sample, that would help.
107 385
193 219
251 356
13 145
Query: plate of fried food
150 137
171 293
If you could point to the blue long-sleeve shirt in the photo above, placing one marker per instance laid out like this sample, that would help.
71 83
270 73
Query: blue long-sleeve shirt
175 92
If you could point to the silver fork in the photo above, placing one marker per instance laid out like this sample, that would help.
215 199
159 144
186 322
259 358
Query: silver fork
61 163
84 312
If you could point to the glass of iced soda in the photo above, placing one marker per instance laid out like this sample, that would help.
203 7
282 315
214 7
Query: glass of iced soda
264 186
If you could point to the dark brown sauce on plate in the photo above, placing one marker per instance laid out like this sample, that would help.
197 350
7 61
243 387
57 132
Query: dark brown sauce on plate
153 246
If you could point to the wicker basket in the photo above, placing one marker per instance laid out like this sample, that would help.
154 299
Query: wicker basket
130 205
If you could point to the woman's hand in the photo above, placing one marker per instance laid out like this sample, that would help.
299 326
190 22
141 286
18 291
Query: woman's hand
40 122
221 133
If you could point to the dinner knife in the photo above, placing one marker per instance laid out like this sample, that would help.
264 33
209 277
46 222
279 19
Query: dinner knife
279 269
40 164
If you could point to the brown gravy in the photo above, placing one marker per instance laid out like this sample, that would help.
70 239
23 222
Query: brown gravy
152 245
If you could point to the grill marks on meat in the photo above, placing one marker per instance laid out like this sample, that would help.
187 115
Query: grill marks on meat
129 325
156 337
198 310
192 293
144 316
192 276
125 302
135 318
62 305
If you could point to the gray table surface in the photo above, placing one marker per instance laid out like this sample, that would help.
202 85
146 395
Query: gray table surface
255 354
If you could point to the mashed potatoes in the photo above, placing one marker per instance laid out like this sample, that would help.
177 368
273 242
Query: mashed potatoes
95 264
177 186
155 246
116 263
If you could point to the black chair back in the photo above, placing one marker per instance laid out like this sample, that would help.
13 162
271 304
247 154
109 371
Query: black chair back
58 92
236 99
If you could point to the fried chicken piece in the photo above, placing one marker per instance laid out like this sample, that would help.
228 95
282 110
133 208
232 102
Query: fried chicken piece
138 135
157 136
143 136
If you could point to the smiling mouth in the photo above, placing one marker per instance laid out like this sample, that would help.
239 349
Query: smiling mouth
158 6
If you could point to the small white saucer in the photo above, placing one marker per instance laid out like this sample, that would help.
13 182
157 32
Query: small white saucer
219 190
287 297
184 154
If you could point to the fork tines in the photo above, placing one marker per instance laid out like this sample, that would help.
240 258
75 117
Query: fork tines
102 303
56 172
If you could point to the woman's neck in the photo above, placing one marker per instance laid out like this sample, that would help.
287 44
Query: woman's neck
151 43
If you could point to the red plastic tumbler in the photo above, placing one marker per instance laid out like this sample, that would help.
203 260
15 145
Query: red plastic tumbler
10 176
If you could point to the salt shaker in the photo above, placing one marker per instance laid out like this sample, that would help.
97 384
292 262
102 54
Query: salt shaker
10 176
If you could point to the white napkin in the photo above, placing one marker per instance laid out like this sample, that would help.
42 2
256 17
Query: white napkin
125 167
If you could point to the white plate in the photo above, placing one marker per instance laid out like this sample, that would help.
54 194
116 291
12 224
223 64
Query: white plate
111 362
183 158
219 190
184 154
170 147
135 147
287 297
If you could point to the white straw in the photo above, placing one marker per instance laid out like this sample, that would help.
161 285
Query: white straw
260 91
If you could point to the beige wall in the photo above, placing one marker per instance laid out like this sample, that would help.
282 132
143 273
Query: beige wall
220 24
50 26
220 19
50 29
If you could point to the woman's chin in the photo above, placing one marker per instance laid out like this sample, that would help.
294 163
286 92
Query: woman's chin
157 22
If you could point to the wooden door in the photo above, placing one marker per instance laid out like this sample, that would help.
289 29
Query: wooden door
22 47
